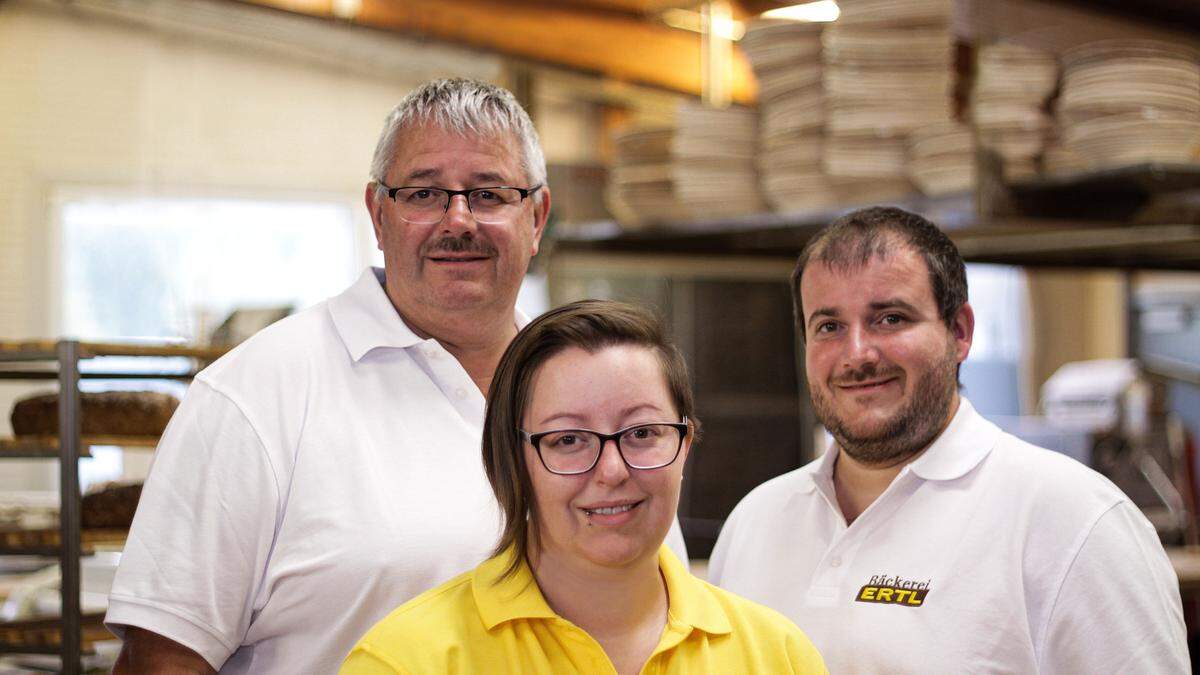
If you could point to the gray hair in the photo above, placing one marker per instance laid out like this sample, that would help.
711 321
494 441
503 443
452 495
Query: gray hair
465 107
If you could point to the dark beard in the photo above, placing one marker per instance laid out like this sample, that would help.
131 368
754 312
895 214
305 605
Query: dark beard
910 431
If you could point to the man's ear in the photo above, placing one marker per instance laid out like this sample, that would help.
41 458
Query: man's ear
541 212
963 331
372 197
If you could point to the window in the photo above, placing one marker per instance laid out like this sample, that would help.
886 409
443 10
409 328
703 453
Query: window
991 375
173 268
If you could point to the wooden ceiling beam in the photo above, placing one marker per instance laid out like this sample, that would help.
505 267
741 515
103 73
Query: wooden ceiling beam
614 44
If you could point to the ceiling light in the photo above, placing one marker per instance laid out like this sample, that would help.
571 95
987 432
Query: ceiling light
346 9
825 10
687 20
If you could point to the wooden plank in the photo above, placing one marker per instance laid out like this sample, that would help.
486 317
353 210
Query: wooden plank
28 350
34 447
91 349
37 349
621 46
44 636
46 541
47 446
1186 561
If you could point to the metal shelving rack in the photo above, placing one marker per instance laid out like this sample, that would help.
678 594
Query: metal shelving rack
59 360
1093 219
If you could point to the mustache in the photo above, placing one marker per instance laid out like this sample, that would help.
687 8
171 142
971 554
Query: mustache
458 245
868 371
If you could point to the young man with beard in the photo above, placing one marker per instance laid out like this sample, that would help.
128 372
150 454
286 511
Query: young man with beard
926 539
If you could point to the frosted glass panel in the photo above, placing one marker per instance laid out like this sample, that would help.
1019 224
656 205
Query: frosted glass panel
991 374
174 267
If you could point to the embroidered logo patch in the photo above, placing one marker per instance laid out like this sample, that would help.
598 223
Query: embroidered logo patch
889 590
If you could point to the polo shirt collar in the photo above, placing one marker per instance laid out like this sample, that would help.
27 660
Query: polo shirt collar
823 472
517 596
505 598
365 317
692 602
964 443
958 449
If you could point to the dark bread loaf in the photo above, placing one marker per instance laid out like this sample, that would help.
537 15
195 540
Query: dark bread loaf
107 413
111 507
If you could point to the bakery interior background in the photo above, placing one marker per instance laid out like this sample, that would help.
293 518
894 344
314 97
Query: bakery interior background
183 172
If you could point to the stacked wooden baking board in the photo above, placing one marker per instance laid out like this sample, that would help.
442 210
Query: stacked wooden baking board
786 58
889 69
1009 104
713 161
641 189
942 158
1131 101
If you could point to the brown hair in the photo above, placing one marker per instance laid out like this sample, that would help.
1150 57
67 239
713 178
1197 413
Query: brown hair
856 238
591 325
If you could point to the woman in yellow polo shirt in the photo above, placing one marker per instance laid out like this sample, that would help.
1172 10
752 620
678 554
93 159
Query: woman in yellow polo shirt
589 423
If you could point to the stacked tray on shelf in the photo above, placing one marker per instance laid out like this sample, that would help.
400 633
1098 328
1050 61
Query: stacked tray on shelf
45 635
786 58
106 513
895 13
1008 104
889 69
641 189
120 418
1127 102
713 161
20 541
942 158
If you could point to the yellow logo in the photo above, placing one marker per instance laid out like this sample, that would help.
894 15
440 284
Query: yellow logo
888 590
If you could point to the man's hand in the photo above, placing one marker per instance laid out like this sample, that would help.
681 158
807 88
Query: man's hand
147 652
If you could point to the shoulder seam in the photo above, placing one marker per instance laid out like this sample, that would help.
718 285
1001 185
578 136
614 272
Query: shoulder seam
262 446
435 593
1062 579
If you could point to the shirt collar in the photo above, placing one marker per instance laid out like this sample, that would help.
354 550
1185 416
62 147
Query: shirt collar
505 598
517 596
692 602
958 449
823 471
365 317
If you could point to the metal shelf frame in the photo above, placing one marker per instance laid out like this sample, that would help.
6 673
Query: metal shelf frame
21 361
1113 218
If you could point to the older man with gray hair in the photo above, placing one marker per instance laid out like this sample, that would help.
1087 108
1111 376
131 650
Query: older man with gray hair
328 469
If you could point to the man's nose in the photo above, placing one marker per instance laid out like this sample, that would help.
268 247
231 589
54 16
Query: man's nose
611 468
859 347
458 217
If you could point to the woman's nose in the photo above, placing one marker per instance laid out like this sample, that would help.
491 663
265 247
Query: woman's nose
611 468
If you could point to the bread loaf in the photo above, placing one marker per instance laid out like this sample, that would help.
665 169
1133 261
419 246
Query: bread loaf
108 413
111 507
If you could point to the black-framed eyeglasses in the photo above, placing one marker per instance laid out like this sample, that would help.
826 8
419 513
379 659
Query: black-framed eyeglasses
425 205
568 452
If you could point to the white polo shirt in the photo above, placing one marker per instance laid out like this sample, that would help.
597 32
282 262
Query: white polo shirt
313 479
985 554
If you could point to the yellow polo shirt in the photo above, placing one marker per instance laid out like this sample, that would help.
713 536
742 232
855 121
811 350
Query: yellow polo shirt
472 625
